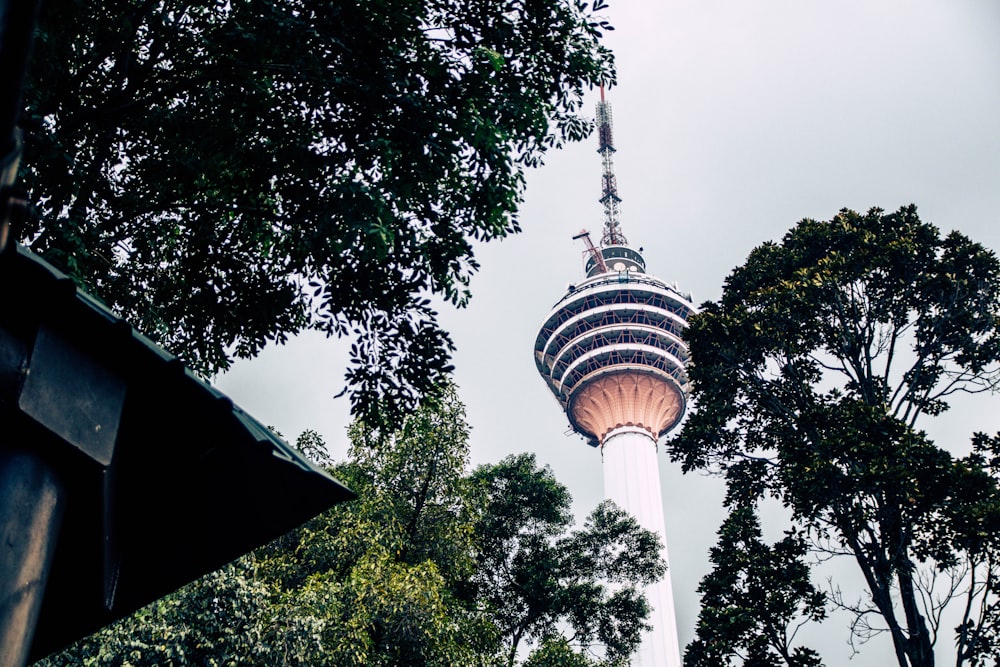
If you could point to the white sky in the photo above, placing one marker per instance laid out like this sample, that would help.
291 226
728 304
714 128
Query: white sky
734 119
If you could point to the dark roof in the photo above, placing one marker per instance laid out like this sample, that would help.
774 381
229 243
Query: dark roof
166 479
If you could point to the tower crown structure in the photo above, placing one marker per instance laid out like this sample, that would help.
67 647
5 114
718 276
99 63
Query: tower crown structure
611 349
612 353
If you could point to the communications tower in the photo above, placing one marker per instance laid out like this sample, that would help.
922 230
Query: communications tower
611 352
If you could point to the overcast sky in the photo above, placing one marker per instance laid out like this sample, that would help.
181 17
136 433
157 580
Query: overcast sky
734 119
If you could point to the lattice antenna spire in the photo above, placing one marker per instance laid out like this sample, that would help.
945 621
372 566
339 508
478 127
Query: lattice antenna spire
609 191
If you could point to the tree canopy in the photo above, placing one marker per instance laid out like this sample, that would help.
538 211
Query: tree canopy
228 174
433 565
538 579
812 375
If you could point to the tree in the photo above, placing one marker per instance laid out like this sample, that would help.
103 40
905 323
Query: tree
559 591
377 581
228 174
755 599
811 376
217 620
408 574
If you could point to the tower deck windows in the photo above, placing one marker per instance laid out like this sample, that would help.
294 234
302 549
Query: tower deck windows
650 295
621 357
617 317
627 335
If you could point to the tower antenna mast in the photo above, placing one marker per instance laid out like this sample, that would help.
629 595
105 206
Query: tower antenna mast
609 191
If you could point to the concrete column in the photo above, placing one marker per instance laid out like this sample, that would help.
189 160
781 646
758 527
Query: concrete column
632 480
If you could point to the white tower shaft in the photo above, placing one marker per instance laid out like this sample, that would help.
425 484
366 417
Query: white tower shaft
632 480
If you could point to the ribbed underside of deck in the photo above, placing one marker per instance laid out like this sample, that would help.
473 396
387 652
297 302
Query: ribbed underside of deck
629 398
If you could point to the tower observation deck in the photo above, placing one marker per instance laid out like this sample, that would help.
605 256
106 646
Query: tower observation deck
611 351
612 354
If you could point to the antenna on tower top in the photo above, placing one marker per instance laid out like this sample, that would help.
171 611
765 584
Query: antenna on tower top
609 191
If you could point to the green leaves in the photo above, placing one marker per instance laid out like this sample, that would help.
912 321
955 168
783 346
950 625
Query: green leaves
537 578
810 376
875 309
755 599
225 175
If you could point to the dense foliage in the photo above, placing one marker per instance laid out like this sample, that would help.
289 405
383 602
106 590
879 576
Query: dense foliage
538 579
433 565
812 375
228 174
755 599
